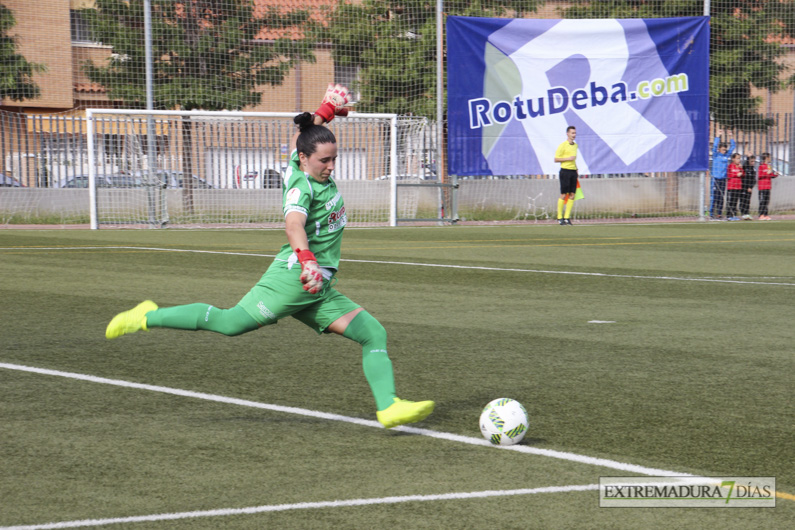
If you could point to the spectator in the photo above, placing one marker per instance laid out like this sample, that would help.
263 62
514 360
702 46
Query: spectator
749 181
720 160
734 187
766 174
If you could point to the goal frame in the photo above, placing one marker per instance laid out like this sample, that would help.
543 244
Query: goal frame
91 148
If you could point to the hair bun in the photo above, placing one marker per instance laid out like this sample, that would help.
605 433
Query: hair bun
304 121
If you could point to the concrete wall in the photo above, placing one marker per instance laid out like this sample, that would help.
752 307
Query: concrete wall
369 201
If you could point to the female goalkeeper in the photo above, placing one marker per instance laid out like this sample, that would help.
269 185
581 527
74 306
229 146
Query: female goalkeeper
299 281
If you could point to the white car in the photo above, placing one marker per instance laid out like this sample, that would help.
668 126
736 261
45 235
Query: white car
10 182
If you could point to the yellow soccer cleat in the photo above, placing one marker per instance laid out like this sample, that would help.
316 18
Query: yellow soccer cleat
130 321
402 411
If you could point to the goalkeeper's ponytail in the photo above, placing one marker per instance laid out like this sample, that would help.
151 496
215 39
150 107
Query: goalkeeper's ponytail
310 134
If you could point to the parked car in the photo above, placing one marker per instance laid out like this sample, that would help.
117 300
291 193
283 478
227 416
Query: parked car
169 179
256 178
7 181
198 183
81 181
116 181
77 181
413 176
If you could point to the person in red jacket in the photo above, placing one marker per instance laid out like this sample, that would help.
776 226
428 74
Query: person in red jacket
766 173
734 187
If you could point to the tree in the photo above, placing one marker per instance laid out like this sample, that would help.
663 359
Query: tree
205 52
16 73
205 56
393 44
744 50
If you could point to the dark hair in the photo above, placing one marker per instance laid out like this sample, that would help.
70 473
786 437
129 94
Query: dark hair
570 127
765 155
311 134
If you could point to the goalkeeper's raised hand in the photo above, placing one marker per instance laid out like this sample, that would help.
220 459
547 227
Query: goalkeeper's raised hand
311 276
333 104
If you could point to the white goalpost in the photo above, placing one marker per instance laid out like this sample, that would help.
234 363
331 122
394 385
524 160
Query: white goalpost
149 169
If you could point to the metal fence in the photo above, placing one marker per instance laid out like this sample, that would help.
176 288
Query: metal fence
391 55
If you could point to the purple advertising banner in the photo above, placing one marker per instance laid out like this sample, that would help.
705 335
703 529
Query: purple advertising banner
637 90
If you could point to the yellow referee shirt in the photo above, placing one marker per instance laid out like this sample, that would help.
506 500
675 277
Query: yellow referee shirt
566 150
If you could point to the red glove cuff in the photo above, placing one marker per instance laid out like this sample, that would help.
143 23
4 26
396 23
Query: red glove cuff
326 111
304 256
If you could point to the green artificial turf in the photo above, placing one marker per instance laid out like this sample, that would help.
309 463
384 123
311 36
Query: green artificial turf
665 346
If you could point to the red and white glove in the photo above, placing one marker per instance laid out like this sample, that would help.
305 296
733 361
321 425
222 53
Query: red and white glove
333 103
311 276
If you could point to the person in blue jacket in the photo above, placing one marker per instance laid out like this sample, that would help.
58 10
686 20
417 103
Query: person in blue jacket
721 153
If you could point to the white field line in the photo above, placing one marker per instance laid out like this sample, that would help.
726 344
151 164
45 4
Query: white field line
302 506
601 462
621 466
437 265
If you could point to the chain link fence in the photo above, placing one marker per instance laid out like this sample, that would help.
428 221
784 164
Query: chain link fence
279 55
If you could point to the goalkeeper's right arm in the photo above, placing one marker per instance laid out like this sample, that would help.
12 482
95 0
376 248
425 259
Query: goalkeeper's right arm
311 276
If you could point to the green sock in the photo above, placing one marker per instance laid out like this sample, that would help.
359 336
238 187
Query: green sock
229 322
368 332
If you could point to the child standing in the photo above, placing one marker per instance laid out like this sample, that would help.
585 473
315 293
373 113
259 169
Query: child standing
749 181
766 174
734 187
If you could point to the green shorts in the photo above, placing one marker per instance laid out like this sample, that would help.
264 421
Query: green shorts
280 293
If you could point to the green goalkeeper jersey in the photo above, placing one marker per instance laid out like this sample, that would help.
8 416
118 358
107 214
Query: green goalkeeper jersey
325 215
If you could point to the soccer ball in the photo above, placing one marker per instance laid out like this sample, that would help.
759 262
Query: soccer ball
504 422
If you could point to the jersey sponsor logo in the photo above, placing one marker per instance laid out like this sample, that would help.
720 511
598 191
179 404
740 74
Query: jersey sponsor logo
264 311
337 220
292 196
333 202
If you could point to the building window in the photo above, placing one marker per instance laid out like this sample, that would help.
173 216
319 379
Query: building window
81 31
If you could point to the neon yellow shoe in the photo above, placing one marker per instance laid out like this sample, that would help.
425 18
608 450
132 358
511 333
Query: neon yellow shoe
130 321
402 411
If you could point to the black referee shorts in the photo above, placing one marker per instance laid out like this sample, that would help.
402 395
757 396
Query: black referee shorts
568 181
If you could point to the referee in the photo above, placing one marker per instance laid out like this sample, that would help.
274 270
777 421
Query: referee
566 154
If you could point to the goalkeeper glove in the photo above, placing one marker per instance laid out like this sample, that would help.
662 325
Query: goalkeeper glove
311 276
333 103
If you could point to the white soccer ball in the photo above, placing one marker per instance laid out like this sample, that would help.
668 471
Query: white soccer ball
504 422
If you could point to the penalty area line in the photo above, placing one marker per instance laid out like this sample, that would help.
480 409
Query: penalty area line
469 440
572 457
304 506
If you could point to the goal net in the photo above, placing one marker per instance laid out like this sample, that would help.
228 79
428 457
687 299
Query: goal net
221 169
